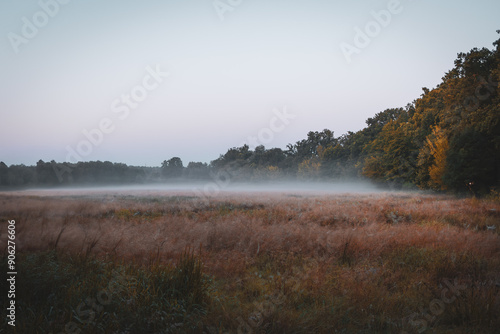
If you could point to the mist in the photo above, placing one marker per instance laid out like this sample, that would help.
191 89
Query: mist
212 189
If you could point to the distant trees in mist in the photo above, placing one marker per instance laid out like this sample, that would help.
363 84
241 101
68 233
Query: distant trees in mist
448 140
81 173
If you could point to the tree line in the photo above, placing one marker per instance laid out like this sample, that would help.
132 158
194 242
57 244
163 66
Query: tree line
448 139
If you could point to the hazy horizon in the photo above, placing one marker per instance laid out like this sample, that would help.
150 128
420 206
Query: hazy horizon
210 189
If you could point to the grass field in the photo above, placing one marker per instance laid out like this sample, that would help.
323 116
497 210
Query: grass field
108 262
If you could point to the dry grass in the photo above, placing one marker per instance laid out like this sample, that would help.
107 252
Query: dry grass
338 262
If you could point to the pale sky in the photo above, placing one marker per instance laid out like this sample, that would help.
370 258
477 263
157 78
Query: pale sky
68 67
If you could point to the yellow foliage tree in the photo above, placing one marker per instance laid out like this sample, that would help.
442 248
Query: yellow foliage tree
438 146
309 168
373 168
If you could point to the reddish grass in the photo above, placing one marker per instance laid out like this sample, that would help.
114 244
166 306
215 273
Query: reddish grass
380 253
314 226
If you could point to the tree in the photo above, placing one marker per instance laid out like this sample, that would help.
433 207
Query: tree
172 168
308 148
309 168
235 157
197 170
4 172
472 161
438 149
45 173
391 155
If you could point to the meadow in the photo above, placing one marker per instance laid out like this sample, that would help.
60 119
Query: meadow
254 262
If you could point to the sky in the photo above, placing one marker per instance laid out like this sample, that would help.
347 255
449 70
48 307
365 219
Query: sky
140 82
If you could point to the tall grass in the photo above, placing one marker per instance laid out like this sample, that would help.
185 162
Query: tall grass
269 263
56 291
